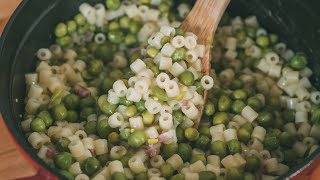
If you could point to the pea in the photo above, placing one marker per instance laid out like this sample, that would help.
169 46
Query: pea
134 26
103 129
207 175
152 52
59 112
124 22
103 158
137 138
289 115
80 19
115 36
263 41
66 175
164 7
265 119
72 116
248 127
124 101
254 103
63 160
199 87
140 106
239 94
198 157
95 66
234 146
88 101
234 174
251 31
114 25
191 134
178 116
243 135
107 84
253 163
130 40
113 4
178 176
271 143
290 157
71 26
159 93
130 111
165 40
141 176
224 103
85 112
108 108
237 106
209 109
46 117
315 116
273 132
71 101
204 129
62 144
61 30
180 134
218 148
220 118
179 55
90 127
124 159
118 176
186 78
64 41
38 125
298 62
273 38
91 165
114 138
286 140
125 133
147 118
166 170
169 149
105 52
184 151
83 29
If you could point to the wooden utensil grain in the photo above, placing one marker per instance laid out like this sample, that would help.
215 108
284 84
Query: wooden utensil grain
203 21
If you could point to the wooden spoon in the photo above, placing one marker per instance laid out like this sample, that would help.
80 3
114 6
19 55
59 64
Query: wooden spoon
203 21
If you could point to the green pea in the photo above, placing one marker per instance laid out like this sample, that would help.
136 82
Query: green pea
108 108
71 101
262 41
140 106
95 66
83 29
85 112
178 116
253 163
155 70
289 115
124 101
64 41
159 93
298 62
91 166
118 176
125 133
114 25
202 142
103 129
115 36
218 148
80 19
250 91
184 151
124 159
224 103
124 22
88 101
241 37
178 176
113 4
251 31
152 52
164 7
46 117
271 143
137 138
234 146
209 109
134 26
199 87
107 84
315 116
179 55
236 84
63 160
166 170
243 135
198 157
130 111
141 176
62 144
265 119
207 175
105 52
191 134
130 40
239 94
165 40
147 118
237 106
290 157
234 174
273 132
254 103
59 112
61 30
167 150
114 138
71 26
72 116
273 38
116 74
186 78
248 127
180 134
204 129
220 118
66 175
90 127
103 158
38 125
286 139
86 75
